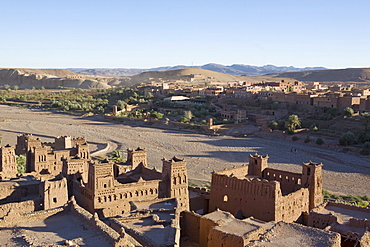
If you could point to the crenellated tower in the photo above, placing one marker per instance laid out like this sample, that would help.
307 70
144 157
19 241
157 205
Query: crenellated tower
312 179
175 181
257 163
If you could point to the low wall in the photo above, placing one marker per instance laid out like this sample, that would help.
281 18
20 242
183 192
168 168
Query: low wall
19 208
110 234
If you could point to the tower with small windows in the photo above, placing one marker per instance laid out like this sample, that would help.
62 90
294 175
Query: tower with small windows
175 181
257 163
312 179
136 157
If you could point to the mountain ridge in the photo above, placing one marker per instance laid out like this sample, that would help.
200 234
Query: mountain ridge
234 69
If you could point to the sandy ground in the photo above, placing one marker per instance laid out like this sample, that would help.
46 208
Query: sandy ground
345 173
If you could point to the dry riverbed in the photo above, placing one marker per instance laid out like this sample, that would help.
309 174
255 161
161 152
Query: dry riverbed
344 173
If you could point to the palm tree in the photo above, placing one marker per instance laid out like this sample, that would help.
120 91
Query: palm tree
116 156
292 123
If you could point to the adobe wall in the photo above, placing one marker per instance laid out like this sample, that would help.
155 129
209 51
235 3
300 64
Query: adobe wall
115 201
199 201
93 220
289 208
241 171
13 219
365 239
289 181
190 225
172 238
205 227
254 197
15 192
321 221
53 193
218 237
19 208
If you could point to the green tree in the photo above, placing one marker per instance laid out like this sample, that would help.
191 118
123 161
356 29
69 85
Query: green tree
366 117
184 120
117 156
348 111
156 115
21 163
16 87
347 138
121 104
273 125
319 141
292 123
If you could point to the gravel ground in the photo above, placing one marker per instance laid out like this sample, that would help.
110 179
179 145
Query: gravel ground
344 173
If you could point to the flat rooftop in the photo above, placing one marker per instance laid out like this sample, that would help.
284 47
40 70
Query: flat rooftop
289 234
344 214
52 230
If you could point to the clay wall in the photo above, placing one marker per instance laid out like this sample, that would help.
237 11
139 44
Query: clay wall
8 164
190 225
15 192
321 221
289 208
172 238
19 207
253 197
53 193
116 201
199 199
236 171
13 219
205 227
219 238
92 220
359 223
289 181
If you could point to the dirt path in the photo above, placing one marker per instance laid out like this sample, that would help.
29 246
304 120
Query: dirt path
343 173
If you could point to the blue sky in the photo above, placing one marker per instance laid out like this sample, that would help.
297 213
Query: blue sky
144 34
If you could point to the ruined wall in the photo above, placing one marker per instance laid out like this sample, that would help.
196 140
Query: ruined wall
53 193
289 181
218 237
205 227
254 197
19 208
289 208
14 192
190 225
321 221
93 220
235 171
13 219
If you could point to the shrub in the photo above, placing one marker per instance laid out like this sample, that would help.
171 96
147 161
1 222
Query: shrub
347 139
365 151
319 141
307 140
273 125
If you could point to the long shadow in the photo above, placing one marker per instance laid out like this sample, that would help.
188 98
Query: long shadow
22 132
61 225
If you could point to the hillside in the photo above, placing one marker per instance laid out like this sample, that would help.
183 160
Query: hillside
358 75
185 74
52 78
235 69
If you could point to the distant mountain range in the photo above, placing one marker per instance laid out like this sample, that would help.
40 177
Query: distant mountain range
235 69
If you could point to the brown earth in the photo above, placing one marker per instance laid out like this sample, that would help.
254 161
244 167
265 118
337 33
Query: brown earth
343 172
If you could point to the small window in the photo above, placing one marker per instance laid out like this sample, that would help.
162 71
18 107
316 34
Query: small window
54 199
105 185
